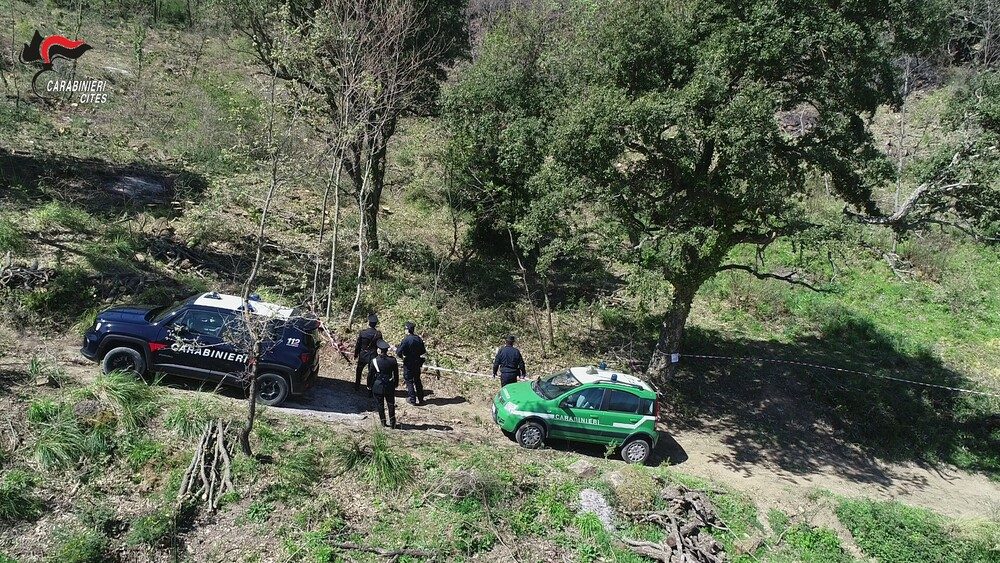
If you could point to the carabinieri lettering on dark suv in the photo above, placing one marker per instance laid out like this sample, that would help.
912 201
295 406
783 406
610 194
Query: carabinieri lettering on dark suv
194 338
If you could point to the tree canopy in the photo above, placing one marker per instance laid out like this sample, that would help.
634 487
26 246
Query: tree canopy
679 131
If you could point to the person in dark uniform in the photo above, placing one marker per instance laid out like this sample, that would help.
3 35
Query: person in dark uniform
364 349
509 362
383 378
412 351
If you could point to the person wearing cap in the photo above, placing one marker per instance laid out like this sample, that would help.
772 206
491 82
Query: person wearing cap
383 378
365 348
411 350
509 363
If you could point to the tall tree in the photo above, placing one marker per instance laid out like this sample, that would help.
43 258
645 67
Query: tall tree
668 116
363 64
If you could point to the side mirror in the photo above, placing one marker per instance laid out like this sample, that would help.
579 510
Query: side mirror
181 329
564 404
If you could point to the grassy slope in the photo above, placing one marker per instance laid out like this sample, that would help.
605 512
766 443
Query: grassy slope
199 120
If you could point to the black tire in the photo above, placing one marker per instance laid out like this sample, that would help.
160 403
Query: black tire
636 450
124 359
272 389
530 435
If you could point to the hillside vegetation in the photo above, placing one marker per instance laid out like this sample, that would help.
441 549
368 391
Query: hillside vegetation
158 194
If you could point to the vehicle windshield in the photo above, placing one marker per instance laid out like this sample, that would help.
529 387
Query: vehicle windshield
159 313
551 386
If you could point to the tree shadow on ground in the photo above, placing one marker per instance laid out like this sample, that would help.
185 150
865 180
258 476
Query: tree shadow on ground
494 279
800 419
99 187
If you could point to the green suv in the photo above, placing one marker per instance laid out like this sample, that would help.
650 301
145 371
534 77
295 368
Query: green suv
584 405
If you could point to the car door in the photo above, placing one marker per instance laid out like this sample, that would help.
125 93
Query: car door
578 417
622 413
196 345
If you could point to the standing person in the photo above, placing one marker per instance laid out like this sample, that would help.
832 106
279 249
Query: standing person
412 351
364 349
383 378
509 362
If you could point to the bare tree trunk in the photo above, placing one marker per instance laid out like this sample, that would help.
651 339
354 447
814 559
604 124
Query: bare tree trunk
322 232
663 364
527 293
254 371
548 312
333 244
13 56
363 231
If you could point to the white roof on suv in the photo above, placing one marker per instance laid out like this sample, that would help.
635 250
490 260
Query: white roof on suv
235 303
593 375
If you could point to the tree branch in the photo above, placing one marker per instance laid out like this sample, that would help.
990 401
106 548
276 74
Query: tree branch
907 206
790 277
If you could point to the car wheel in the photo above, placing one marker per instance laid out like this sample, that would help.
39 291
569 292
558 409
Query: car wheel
530 435
636 450
124 359
272 389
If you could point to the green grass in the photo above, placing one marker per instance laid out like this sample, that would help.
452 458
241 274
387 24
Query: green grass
894 532
132 400
803 543
113 409
12 239
17 501
56 214
376 461
296 471
188 416
60 441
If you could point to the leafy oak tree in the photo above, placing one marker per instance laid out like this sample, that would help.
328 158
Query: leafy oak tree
669 120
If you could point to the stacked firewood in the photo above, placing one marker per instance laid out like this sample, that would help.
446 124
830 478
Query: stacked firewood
688 520
208 476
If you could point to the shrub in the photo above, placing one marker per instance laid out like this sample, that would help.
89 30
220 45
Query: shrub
150 529
16 500
82 545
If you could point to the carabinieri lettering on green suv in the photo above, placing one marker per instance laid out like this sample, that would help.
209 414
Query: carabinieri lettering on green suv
581 404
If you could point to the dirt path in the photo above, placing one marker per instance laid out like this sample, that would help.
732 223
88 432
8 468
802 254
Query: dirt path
458 410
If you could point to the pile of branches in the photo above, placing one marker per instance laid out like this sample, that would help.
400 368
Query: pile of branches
687 519
208 477
23 277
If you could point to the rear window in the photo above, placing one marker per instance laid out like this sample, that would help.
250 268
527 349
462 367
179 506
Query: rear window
646 407
623 401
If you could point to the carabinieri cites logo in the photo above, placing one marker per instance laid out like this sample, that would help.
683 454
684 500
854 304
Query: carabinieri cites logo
45 50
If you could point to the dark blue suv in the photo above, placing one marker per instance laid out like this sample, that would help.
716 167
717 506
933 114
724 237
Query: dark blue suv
199 338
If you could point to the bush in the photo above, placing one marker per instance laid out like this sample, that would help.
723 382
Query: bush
83 545
16 500
150 529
